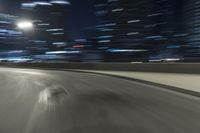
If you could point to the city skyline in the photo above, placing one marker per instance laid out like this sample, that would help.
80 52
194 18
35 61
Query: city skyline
120 30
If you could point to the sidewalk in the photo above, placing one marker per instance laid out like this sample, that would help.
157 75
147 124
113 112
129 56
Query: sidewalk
190 82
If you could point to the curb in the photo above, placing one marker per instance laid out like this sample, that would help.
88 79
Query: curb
177 89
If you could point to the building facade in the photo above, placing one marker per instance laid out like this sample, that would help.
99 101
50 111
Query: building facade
10 37
192 29
49 33
140 28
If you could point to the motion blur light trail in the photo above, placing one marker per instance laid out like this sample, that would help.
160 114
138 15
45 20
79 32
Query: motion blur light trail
25 25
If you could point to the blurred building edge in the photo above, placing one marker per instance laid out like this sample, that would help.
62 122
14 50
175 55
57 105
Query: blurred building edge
49 33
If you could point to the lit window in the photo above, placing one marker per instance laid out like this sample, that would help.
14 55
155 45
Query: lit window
133 21
117 10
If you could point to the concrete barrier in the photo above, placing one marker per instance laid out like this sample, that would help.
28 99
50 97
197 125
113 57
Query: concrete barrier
192 68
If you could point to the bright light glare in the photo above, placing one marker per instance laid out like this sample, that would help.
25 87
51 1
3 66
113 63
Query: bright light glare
25 25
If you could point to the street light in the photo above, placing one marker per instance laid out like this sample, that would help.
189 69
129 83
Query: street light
25 25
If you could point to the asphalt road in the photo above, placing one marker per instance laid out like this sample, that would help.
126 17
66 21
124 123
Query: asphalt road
44 101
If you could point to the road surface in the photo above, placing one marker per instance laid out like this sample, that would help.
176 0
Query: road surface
44 101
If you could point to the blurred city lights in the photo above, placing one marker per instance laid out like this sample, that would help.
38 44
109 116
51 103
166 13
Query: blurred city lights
150 31
60 2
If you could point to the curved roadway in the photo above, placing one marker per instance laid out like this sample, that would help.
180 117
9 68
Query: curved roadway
44 101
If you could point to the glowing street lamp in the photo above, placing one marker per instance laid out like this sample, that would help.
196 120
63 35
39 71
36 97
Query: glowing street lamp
25 25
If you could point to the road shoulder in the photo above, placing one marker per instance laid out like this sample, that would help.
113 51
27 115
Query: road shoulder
184 83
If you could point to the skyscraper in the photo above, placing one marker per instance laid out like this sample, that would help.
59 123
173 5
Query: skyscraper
49 20
192 29
140 28
121 27
10 37
164 28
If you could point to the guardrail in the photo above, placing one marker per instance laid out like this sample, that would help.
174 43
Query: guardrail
193 68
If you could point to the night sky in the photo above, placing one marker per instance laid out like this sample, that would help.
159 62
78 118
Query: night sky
80 14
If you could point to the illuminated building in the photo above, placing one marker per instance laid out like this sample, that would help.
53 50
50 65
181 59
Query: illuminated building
165 28
120 29
145 27
49 21
192 29
10 37
12 42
